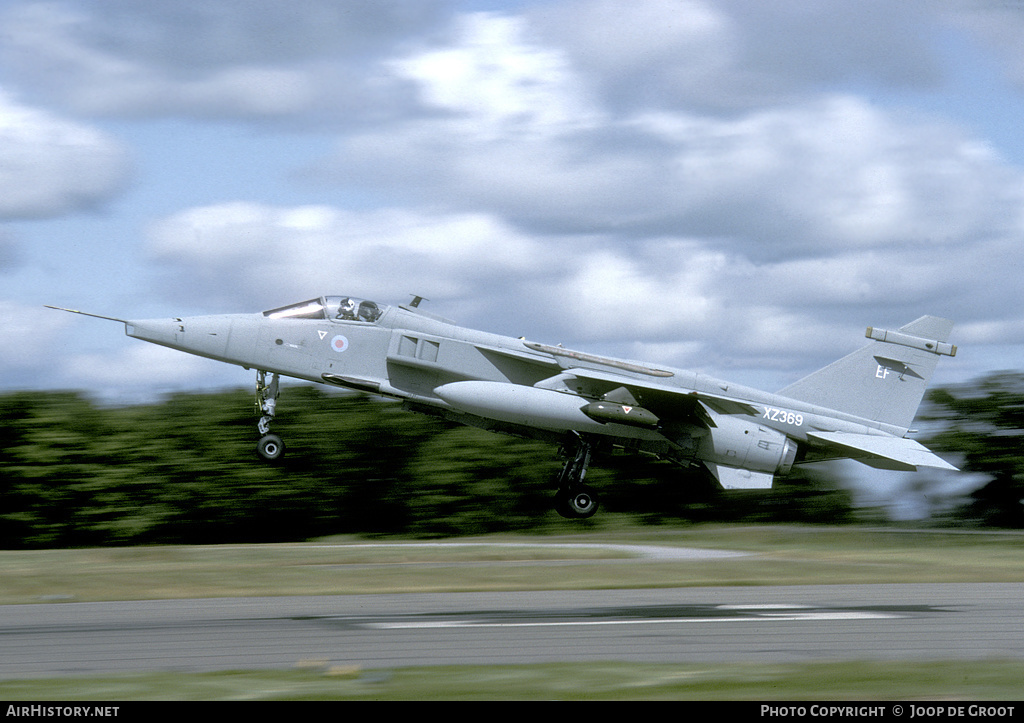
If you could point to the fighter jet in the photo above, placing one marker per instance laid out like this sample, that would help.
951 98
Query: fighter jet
859 407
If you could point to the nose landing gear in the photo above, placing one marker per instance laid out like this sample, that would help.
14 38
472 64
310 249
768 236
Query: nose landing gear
270 447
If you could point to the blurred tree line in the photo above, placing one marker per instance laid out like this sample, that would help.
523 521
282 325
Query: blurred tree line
981 429
184 470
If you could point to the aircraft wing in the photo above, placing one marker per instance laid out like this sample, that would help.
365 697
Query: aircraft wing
880 451
883 452
658 395
643 381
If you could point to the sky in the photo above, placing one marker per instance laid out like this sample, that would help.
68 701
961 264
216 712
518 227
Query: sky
737 187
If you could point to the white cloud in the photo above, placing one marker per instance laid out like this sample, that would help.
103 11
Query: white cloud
497 84
250 251
837 169
662 289
650 51
246 59
791 180
28 334
50 165
726 55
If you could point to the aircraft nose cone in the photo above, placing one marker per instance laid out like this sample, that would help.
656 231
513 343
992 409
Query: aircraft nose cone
196 335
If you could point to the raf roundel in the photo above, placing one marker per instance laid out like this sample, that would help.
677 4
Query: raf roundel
339 343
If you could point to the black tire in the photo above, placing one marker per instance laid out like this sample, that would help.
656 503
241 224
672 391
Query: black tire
562 505
270 447
579 503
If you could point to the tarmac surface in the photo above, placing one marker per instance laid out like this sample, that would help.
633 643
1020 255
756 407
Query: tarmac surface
914 622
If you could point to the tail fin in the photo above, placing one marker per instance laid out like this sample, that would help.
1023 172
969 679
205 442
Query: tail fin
885 380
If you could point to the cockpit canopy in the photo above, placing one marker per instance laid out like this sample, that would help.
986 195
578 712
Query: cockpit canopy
335 308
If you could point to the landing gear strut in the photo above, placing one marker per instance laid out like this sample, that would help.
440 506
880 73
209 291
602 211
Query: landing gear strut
575 500
270 446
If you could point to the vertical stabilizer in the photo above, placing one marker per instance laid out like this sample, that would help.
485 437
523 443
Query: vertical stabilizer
885 380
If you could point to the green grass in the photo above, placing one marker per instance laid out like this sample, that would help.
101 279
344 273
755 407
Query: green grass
846 681
779 555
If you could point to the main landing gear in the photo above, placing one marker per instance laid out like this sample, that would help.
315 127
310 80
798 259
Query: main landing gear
270 447
575 500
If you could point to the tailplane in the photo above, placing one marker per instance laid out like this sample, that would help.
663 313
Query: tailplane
885 380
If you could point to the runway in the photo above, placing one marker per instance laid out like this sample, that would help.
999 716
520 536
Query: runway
684 625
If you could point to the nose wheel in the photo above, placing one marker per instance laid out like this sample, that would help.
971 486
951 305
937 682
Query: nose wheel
270 447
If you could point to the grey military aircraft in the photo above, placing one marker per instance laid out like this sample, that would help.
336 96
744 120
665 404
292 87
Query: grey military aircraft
859 407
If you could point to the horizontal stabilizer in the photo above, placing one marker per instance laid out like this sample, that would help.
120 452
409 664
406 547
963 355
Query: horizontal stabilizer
897 453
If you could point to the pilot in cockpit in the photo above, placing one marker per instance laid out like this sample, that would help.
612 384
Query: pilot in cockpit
369 311
347 310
